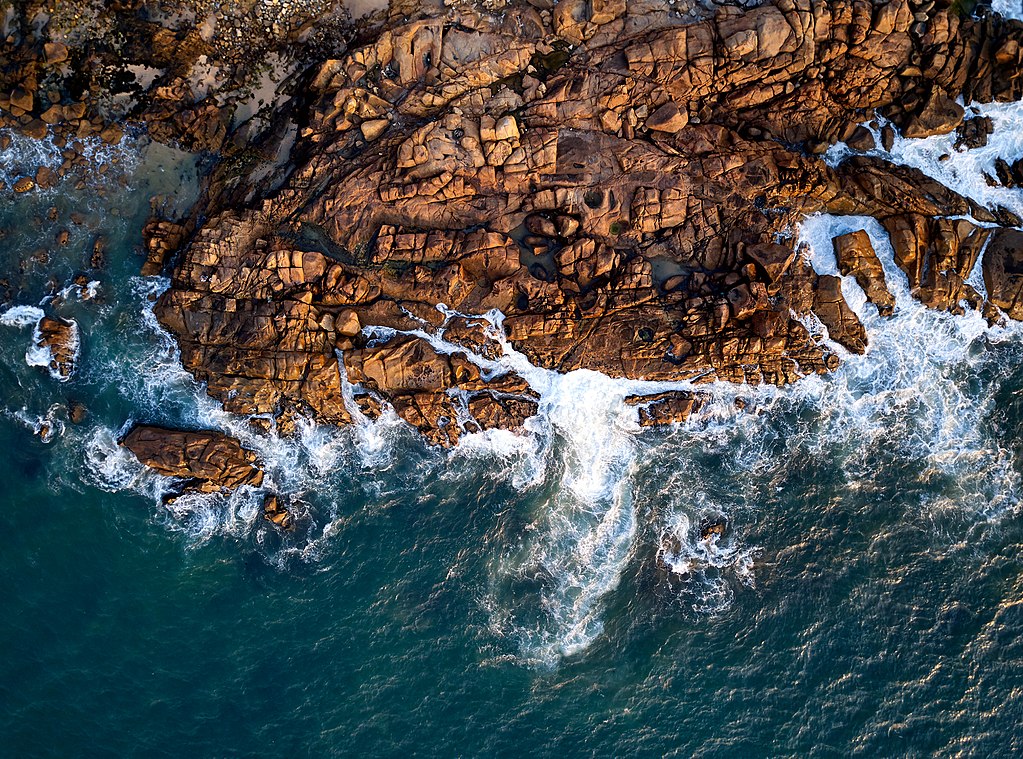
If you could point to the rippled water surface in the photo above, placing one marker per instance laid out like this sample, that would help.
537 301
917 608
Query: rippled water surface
547 593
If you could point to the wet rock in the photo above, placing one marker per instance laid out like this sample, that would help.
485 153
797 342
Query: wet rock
1003 271
1009 175
713 529
208 461
888 137
937 256
861 139
77 412
45 179
413 377
673 407
855 255
973 133
59 337
22 98
276 513
25 184
160 239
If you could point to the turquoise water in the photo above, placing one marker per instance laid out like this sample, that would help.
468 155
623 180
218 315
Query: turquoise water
546 594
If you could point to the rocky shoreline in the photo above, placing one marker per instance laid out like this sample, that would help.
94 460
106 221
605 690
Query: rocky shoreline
620 181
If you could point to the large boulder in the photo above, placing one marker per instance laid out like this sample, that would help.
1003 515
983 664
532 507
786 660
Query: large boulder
207 460
59 339
855 255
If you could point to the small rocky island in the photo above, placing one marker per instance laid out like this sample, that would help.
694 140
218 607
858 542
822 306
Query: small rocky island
620 181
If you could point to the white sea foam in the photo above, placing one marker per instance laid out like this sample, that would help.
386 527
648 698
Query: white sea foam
21 316
913 383
24 156
1008 8
704 562
47 426
112 467
965 170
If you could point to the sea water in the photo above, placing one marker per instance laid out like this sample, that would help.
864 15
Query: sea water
549 592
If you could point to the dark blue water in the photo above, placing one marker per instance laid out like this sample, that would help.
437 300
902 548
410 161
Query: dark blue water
545 594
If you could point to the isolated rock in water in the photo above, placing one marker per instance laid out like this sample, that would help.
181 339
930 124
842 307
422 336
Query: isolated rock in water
276 513
855 255
59 340
207 460
713 528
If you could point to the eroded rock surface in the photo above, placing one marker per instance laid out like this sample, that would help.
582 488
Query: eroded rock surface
621 181
856 256
207 461
627 204
59 338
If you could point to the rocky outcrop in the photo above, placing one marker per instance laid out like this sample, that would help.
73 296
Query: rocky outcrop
855 255
207 461
442 395
937 255
620 181
59 339
1003 271
627 204
670 407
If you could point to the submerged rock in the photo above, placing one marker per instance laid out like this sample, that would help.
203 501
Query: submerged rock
207 460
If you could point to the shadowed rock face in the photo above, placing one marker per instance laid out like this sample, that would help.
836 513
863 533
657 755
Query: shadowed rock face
207 461
628 204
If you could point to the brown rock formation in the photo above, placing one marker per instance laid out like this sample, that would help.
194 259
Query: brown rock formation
60 338
628 203
855 255
665 408
937 256
277 514
208 461
1003 271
